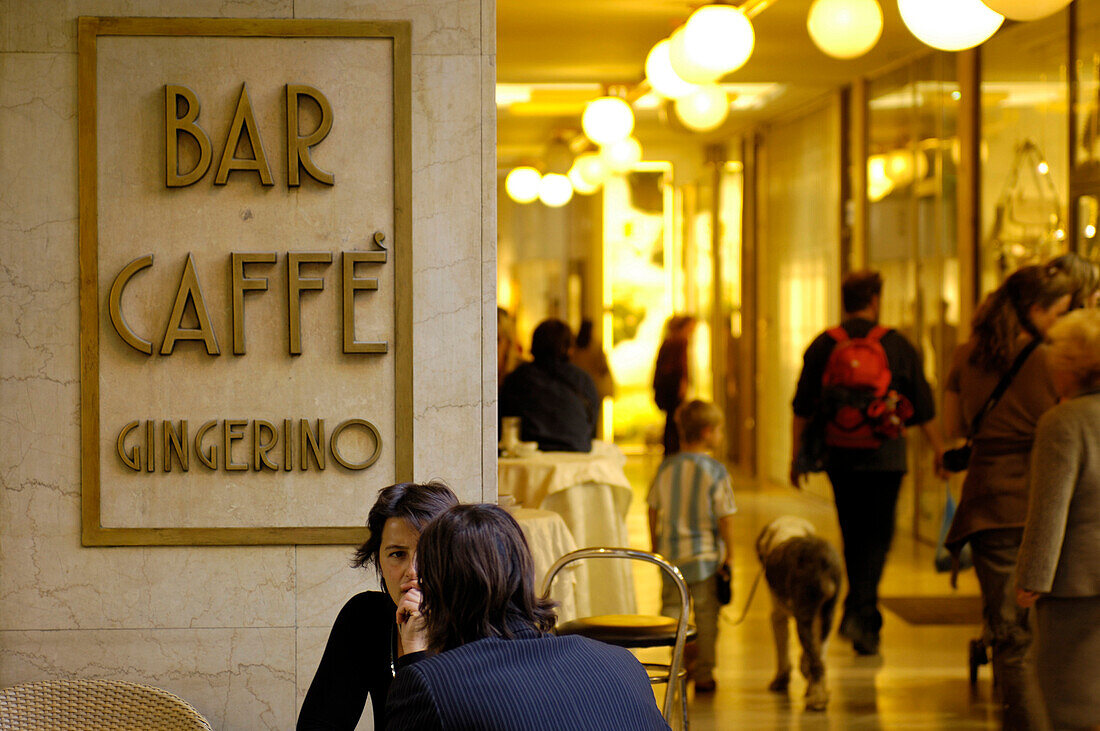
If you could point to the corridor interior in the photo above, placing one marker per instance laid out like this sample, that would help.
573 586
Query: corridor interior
919 681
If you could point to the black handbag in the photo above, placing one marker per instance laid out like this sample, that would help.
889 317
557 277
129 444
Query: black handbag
958 459
722 585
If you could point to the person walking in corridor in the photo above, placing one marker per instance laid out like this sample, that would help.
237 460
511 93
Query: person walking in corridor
861 385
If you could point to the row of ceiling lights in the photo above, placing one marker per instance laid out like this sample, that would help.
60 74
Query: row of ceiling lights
719 39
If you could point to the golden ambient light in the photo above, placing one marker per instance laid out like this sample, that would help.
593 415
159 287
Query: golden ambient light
555 190
1026 9
522 184
716 40
660 74
845 28
607 119
950 25
704 110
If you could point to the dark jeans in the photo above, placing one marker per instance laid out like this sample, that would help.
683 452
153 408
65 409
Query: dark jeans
865 503
1009 628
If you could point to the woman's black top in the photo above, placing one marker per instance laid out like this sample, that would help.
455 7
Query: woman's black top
357 662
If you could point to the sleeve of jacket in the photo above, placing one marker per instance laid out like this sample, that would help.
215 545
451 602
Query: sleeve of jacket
338 693
410 704
1055 462
913 380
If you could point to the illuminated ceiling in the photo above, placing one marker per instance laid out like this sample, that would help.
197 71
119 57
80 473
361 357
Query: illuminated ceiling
571 49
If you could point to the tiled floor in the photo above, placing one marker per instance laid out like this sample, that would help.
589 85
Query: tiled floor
920 681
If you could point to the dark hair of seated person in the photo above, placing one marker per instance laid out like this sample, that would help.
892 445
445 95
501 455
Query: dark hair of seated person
417 503
551 341
477 579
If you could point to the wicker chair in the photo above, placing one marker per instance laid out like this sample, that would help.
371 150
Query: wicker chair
95 705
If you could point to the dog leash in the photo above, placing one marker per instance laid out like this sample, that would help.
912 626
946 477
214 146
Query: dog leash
748 602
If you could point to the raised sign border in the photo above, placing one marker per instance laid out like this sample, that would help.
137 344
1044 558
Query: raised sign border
89 29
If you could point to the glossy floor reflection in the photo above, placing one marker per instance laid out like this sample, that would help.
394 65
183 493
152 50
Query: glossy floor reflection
920 680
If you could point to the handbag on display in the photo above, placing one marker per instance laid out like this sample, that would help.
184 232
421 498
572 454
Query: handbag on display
958 459
1027 225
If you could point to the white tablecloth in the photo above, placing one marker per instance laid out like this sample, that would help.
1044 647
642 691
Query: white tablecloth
592 494
550 539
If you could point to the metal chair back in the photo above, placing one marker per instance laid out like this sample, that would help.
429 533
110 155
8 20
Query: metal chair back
672 672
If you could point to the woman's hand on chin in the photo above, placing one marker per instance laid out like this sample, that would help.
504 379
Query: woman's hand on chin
410 624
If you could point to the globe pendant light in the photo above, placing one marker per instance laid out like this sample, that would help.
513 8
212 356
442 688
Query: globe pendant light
704 110
845 28
621 156
950 25
522 184
607 119
716 40
1026 9
661 76
588 173
555 190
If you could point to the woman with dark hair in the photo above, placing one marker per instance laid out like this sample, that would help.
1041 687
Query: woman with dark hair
993 507
364 644
491 662
588 355
670 375
556 401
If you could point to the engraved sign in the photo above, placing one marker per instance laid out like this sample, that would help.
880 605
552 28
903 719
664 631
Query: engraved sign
245 292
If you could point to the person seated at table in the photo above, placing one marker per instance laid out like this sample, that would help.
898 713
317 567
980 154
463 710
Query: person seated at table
556 401
491 661
364 643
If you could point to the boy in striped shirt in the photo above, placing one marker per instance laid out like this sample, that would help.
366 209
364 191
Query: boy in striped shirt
691 524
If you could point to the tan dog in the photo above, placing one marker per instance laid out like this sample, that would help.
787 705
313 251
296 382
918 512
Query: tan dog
803 572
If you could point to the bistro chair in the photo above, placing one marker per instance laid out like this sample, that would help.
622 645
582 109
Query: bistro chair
95 705
638 630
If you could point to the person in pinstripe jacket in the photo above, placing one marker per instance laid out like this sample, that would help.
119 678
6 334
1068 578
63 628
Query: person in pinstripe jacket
491 662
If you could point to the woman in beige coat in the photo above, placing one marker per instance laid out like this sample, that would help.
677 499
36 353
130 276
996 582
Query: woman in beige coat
1059 561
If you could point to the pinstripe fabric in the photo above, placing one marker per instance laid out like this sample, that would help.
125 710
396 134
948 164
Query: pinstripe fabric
534 683
690 493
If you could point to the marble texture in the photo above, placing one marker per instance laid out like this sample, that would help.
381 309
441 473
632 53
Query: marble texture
237 631
439 27
49 26
237 678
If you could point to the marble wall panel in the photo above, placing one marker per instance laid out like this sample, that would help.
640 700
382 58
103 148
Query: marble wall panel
238 631
489 277
39 26
439 27
237 678
447 230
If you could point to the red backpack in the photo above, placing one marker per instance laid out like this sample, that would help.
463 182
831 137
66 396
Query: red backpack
862 411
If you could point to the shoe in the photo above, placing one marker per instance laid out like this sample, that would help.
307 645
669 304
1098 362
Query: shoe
705 686
978 657
866 645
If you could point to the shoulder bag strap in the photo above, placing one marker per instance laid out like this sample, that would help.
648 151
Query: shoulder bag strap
1002 386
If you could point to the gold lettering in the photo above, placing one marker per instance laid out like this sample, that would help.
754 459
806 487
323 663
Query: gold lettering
242 284
189 291
175 443
208 457
297 147
261 446
339 457
173 127
243 119
288 446
150 441
295 285
313 442
231 434
131 459
114 305
351 285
